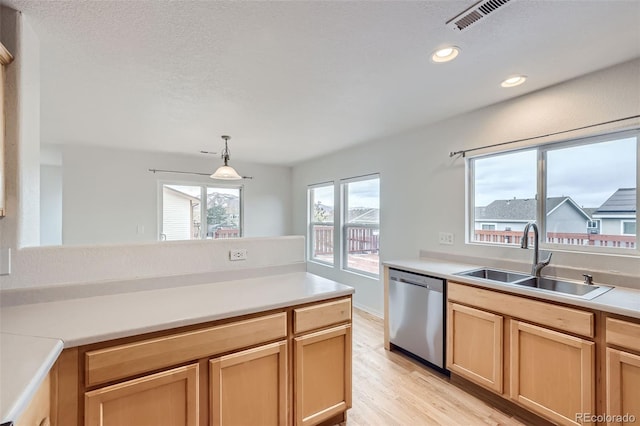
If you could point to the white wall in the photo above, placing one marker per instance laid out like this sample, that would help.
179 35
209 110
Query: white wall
423 189
50 205
46 266
21 226
110 197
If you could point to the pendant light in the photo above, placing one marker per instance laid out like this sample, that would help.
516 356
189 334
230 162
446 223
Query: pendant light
226 172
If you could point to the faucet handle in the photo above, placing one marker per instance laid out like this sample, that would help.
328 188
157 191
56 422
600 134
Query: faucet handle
588 279
548 259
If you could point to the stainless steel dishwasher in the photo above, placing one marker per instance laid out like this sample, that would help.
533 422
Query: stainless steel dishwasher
416 315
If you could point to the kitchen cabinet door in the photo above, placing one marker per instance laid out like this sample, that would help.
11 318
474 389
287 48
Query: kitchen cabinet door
166 398
250 387
552 373
474 345
322 375
623 384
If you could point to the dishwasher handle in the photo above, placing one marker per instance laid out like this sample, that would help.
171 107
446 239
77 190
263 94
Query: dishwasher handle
433 284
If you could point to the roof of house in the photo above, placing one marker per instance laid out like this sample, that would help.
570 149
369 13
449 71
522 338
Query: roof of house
181 193
364 215
622 201
521 209
589 210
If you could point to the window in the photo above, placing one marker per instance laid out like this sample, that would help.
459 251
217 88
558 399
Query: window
186 217
562 187
504 192
321 213
591 180
361 224
593 226
629 227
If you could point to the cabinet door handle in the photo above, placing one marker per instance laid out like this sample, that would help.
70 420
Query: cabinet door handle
45 422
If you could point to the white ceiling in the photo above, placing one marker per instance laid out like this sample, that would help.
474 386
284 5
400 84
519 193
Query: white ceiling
291 80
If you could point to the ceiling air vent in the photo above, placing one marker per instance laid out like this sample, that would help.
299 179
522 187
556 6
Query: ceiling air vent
475 13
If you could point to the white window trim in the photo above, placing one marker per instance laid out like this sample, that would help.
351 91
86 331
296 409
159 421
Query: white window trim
344 225
311 223
598 223
541 189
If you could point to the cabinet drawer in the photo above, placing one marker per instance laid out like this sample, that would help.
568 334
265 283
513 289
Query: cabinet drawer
325 314
118 362
623 333
560 317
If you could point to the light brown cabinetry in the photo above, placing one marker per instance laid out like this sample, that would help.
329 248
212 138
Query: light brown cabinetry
172 396
275 368
322 362
250 387
474 346
552 373
169 397
38 412
104 365
622 370
491 341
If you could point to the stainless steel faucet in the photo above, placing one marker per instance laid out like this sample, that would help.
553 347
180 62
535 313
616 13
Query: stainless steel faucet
537 266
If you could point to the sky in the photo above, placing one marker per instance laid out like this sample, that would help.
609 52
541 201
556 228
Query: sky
589 174
364 193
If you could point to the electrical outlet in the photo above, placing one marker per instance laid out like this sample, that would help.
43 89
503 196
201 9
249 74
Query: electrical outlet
445 238
237 254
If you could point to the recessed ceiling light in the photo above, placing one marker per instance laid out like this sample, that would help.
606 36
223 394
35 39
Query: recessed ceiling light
516 80
445 54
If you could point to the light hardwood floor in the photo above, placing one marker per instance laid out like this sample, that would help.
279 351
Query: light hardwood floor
391 389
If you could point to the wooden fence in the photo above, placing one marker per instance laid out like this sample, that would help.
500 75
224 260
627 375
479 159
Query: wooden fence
226 233
598 240
359 240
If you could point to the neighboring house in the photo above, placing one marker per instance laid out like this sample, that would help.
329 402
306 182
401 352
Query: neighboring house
563 215
364 215
179 212
617 215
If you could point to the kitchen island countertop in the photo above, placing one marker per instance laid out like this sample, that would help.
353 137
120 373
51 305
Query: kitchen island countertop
52 326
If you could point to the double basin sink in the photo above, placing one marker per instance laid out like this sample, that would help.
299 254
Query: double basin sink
547 285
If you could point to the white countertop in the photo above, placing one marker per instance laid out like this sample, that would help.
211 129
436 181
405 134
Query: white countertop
24 363
77 322
619 300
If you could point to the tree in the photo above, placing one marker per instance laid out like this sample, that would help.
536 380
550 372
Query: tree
217 215
320 213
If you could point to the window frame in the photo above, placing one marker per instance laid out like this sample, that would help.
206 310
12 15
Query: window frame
541 196
344 225
203 209
623 222
311 224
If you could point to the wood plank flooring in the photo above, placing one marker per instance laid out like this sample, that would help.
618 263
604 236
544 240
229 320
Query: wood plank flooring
392 389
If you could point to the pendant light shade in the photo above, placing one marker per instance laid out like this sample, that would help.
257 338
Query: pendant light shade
226 172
